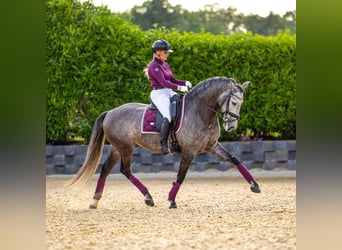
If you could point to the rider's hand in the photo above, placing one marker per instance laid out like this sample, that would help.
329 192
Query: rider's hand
188 84
183 88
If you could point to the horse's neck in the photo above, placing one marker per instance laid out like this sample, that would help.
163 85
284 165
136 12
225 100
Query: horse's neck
211 98
206 104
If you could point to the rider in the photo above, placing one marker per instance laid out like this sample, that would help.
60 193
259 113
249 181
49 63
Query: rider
163 83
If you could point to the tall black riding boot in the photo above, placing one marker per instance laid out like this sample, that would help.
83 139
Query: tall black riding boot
164 135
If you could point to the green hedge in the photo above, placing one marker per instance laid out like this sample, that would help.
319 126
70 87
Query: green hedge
95 62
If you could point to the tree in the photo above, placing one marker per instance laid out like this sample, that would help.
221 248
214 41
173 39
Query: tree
270 25
290 23
211 18
155 12
215 19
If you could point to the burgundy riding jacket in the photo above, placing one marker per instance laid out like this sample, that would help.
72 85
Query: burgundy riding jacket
160 75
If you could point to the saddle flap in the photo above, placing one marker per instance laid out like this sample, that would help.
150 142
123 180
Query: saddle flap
175 108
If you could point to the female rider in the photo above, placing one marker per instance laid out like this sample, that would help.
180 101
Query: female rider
163 83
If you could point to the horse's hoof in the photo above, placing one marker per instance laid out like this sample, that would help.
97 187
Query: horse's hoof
149 203
173 204
94 204
149 200
255 187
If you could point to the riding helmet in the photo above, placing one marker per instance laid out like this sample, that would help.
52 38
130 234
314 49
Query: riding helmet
161 45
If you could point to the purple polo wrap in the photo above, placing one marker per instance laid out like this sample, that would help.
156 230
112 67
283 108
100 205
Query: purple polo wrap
100 185
244 171
174 190
138 184
99 188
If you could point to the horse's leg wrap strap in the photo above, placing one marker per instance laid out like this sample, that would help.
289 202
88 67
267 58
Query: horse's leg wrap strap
245 173
138 184
174 190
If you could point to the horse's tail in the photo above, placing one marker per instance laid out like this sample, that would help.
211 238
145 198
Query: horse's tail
93 156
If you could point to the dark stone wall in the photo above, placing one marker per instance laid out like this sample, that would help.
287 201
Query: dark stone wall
254 154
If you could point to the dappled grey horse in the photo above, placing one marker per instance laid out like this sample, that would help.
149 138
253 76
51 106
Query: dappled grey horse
199 132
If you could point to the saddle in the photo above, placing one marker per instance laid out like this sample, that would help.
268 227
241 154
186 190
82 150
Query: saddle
152 120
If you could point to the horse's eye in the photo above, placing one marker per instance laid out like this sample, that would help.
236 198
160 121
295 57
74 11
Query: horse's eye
234 103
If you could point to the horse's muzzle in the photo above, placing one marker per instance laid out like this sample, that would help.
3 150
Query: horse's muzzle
230 126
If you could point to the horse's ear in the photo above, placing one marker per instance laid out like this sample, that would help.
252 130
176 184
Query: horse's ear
245 84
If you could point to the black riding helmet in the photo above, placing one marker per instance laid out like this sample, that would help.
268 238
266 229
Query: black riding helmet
161 45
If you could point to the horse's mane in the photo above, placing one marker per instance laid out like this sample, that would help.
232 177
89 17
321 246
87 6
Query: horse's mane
202 87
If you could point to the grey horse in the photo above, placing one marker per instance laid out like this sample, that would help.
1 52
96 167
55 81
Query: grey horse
199 132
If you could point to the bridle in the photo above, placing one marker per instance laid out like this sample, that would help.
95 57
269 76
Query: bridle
227 112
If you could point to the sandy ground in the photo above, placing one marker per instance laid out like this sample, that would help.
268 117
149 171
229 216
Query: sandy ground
212 213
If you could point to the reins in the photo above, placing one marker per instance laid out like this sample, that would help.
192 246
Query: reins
212 109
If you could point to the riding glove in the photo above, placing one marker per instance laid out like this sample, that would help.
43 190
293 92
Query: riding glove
183 88
188 84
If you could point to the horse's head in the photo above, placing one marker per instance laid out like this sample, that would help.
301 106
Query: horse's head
231 103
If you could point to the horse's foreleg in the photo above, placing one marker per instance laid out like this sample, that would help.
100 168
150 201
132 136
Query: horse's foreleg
148 197
183 169
219 151
125 169
105 171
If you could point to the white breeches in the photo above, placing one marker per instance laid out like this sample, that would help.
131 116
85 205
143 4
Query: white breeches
161 98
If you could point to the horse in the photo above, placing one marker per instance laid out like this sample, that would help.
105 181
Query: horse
200 131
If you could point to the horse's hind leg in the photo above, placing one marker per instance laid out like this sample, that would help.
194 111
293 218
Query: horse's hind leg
105 171
125 169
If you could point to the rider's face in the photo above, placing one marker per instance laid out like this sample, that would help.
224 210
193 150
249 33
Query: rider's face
162 54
